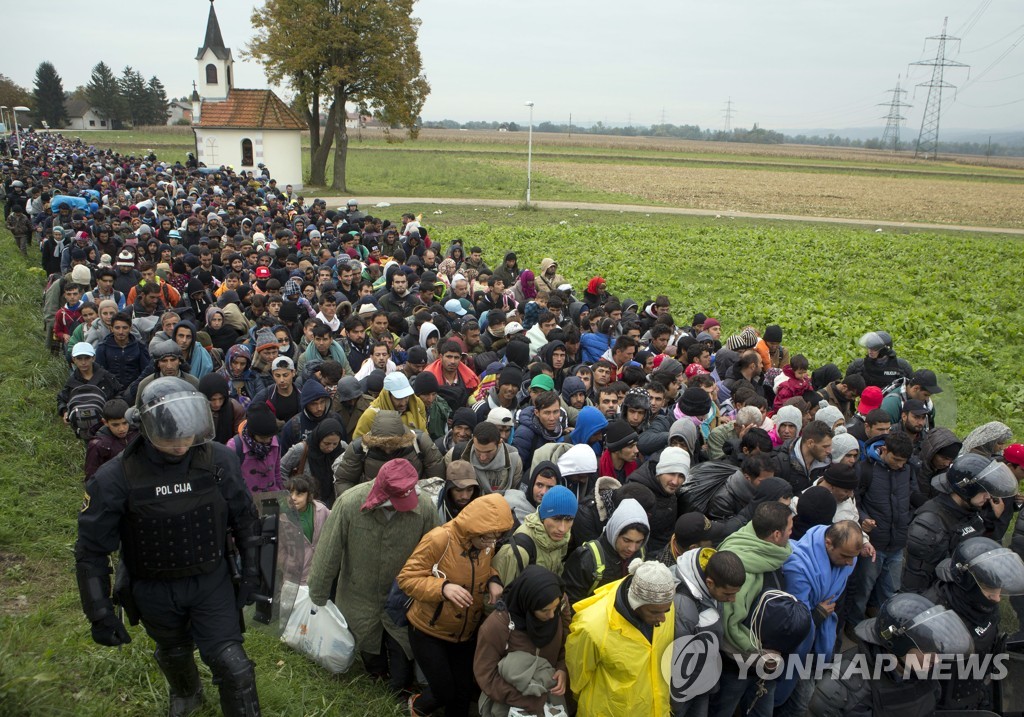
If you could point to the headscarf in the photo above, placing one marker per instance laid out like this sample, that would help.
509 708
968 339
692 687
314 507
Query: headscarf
224 419
533 589
527 284
318 462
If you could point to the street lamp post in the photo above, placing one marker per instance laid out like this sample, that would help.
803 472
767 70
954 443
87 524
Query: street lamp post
17 134
529 155
3 121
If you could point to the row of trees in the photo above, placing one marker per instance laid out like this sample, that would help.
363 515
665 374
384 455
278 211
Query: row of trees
756 134
129 98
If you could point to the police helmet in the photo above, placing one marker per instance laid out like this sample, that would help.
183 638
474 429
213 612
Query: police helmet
172 409
907 621
984 562
972 474
876 340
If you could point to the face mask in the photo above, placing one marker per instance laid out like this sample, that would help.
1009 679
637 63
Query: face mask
284 348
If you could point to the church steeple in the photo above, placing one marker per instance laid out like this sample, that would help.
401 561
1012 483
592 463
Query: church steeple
214 61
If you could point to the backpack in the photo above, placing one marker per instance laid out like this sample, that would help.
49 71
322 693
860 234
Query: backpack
519 540
85 409
599 566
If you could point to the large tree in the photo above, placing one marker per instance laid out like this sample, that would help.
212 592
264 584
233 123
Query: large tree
156 102
49 95
104 95
338 52
133 91
14 95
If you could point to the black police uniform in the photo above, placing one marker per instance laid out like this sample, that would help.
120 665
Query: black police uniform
938 527
981 617
170 521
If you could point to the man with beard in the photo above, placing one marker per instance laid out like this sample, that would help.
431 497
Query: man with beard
913 422
399 299
971 483
461 486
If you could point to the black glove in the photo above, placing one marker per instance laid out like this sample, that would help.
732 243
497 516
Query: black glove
110 631
247 589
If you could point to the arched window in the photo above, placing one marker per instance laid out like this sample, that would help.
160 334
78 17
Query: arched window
211 74
247 153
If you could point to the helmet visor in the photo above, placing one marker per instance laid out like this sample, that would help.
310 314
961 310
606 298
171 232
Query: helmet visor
1000 569
938 630
873 340
178 420
997 480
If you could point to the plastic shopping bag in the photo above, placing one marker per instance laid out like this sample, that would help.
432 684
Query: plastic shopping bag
322 636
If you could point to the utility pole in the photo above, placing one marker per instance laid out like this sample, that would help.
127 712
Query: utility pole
894 119
662 116
928 139
570 125
728 112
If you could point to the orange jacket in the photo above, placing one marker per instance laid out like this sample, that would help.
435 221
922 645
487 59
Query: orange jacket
450 548
168 294
465 373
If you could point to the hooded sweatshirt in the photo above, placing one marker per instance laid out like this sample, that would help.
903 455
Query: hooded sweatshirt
589 421
520 498
578 460
550 553
760 559
584 574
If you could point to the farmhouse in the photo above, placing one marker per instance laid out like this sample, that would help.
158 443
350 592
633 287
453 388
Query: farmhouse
241 128
81 115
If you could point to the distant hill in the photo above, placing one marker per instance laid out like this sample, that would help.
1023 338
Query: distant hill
1009 138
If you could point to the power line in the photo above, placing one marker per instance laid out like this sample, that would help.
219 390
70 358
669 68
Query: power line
996 61
728 112
928 139
993 44
973 18
894 119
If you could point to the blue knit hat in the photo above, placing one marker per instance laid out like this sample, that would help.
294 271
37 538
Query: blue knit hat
558 501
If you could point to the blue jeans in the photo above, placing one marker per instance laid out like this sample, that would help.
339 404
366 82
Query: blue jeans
734 692
875 581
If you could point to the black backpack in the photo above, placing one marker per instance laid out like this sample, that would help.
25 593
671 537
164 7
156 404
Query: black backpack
85 409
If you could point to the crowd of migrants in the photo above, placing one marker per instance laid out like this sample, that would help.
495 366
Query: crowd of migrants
529 488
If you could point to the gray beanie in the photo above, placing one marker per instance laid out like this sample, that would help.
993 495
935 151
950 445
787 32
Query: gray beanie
830 414
674 460
843 443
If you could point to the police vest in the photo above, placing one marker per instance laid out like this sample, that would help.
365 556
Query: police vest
174 527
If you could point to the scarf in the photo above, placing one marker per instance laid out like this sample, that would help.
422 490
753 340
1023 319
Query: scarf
527 285
534 589
319 463
223 420
258 450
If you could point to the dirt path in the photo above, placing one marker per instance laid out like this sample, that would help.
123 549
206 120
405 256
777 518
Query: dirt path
367 202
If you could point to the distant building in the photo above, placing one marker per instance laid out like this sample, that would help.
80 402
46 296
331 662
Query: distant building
239 128
178 111
81 115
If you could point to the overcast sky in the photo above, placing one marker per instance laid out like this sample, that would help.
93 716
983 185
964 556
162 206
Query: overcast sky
785 64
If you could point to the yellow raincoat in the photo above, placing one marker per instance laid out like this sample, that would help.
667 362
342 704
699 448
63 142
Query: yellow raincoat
613 670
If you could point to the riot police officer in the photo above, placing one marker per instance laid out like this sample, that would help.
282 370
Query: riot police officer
168 501
971 583
971 483
914 631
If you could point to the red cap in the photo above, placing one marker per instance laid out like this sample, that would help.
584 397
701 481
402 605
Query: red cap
695 369
262 272
870 399
1014 453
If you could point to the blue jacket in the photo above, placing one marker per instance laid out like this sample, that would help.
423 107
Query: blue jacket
127 363
530 435
886 501
593 346
812 579
589 421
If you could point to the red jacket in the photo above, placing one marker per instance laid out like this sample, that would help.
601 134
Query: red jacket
792 387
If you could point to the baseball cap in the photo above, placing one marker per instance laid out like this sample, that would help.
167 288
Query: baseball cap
262 272
512 328
501 417
916 407
926 379
1013 453
397 385
543 382
282 362
870 399
695 369
455 306
83 348
461 474
694 528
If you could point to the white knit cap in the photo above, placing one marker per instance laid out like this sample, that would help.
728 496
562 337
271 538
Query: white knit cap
843 443
674 460
652 584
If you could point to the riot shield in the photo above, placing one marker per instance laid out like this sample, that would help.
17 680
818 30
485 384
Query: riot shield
281 561
945 402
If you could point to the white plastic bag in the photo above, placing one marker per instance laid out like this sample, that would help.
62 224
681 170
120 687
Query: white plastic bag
322 636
